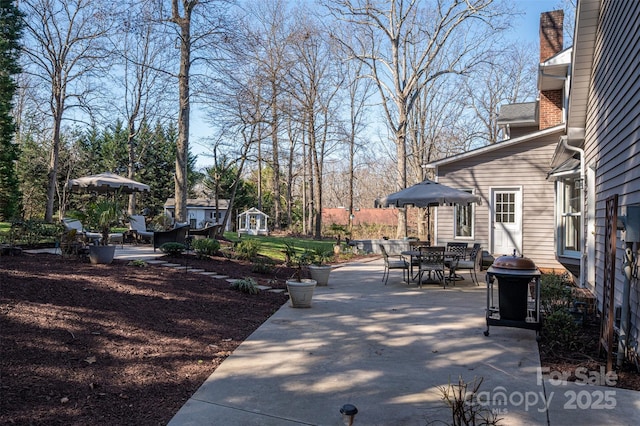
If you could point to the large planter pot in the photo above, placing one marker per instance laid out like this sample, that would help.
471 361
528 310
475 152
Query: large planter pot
101 254
320 274
301 292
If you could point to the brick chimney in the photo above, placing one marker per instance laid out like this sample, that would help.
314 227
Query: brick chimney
550 112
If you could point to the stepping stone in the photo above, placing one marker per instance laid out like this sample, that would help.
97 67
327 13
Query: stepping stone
170 265
155 262
220 277
188 269
277 290
208 273
232 280
264 287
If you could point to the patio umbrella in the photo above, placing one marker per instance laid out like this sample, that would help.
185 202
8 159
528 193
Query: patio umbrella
106 182
427 194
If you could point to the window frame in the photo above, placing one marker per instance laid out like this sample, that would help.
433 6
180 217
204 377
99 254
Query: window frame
567 190
457 209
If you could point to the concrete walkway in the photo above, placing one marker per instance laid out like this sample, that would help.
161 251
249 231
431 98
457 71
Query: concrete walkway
388 350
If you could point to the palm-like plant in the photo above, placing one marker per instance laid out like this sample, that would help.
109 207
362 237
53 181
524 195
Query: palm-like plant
102 215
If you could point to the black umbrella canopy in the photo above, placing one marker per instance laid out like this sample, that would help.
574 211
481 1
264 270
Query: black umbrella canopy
106 182
428 193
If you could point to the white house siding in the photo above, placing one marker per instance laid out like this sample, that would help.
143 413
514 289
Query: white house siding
524 165
612 130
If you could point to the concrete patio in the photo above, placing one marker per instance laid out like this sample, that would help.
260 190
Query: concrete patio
389 350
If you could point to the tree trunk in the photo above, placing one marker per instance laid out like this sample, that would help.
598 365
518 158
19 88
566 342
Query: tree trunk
182 151
276 157
57 105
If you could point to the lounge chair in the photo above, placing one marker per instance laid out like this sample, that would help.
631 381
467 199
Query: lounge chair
175 235
138 227
91 237
209 231
76 225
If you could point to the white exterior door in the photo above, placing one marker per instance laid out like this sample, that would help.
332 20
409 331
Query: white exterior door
506 221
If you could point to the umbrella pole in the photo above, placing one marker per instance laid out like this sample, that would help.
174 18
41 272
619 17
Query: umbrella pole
429 225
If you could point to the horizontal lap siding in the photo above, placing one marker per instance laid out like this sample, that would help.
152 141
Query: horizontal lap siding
613 128
523 165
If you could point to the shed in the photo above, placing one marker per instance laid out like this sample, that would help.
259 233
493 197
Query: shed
200 211
253 222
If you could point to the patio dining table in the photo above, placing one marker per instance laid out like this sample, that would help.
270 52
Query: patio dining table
416 255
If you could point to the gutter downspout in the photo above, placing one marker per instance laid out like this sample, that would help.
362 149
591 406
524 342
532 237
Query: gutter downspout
580 151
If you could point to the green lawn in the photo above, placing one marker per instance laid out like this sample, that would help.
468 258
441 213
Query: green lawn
270 246
274 247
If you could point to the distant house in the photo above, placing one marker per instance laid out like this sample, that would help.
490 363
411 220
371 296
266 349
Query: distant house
517 213
253 222
200 211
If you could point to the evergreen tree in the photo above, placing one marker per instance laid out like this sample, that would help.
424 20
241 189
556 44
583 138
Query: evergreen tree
10 33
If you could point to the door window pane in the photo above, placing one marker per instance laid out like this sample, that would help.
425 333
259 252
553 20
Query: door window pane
505 207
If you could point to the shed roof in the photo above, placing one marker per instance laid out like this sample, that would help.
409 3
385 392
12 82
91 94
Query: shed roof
199 203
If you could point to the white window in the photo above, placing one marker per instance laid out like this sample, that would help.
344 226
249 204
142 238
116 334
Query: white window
570 234
464 220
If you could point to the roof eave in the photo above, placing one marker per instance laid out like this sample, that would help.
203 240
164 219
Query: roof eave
496 146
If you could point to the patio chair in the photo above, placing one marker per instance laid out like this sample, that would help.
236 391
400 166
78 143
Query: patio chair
209 231
175 235
472 262
432 262
74 224
90 237
138 227
454 251
390 264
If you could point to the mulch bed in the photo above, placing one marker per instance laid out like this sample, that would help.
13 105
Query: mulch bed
116 344
586 358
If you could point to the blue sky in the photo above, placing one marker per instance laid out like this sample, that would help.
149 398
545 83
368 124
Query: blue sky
528 24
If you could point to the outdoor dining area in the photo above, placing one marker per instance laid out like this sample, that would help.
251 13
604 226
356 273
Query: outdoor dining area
424 264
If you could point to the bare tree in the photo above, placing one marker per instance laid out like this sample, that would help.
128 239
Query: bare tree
201 32
358 92
509 78
270 37
181 12
391 31
315 84
63 48
142 51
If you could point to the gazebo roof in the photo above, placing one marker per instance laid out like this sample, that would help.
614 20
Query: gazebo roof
253 210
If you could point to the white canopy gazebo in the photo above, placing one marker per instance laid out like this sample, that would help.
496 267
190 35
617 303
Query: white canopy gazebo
253 222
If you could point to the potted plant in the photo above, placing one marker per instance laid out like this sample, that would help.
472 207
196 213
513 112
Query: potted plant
102 216
318 265
301 289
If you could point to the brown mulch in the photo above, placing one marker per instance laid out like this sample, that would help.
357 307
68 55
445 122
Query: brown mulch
586 358
116 344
